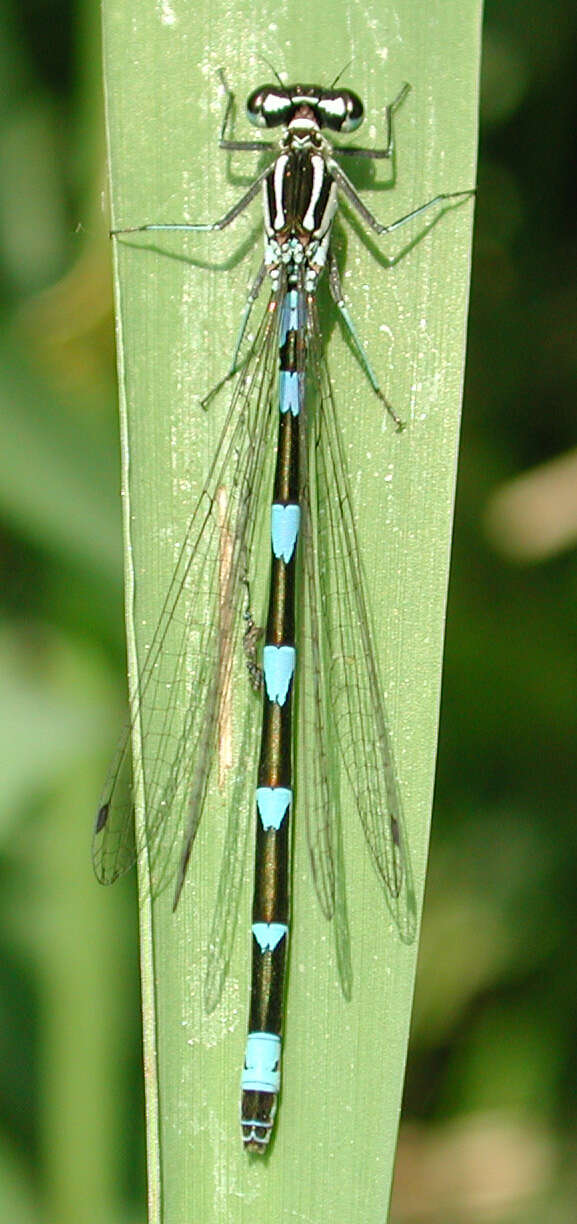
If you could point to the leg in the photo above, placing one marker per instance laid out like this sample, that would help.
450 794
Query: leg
185 226
344 184
227 108
389 148
239 207
337 296
235 365
244 146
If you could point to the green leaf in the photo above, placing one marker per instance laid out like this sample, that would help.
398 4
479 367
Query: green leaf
179 300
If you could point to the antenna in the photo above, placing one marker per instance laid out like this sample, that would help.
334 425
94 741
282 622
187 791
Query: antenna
273 70
338 77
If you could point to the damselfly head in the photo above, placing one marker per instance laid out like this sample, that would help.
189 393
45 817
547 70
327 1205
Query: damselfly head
340 110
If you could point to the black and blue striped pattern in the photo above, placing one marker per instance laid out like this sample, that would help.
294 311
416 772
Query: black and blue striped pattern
271 904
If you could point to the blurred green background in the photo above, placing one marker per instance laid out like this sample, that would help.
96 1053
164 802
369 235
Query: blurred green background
489 1130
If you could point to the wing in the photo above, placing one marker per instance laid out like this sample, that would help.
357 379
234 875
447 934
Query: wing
184 677
318 796
349 725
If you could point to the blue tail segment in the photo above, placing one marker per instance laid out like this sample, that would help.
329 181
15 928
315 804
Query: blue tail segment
291 389
273 803
292 315
285 523
278 666
261 1071
269 934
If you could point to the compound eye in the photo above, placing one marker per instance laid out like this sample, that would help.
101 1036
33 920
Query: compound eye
340 110
268 106
354 112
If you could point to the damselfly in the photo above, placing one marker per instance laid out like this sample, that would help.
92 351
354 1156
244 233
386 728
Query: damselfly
316 603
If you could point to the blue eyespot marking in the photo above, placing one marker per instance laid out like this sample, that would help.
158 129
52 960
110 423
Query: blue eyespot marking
285 522
269 934
272 804
278 666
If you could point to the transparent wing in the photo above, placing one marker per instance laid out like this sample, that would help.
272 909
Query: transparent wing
185 676
317 763
241 806
347 697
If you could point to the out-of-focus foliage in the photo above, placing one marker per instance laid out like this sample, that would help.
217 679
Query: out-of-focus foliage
490 1093
490 1120
70 1099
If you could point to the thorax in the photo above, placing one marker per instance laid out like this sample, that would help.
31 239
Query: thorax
299 206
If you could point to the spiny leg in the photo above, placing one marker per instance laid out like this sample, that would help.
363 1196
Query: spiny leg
338 298
344 184
235 364
376 154
239 146
207 226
